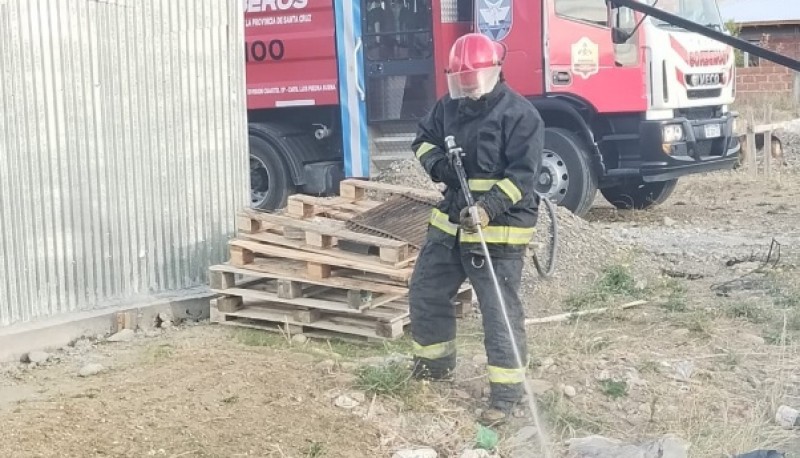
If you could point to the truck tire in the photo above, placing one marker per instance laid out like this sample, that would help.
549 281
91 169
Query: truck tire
567 178
639 196
270 182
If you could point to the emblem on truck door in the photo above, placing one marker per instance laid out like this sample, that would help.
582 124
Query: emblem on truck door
585 58
495 18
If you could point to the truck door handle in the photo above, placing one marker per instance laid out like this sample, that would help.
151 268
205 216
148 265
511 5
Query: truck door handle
359 87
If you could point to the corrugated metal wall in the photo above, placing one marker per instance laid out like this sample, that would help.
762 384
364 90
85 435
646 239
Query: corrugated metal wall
123 149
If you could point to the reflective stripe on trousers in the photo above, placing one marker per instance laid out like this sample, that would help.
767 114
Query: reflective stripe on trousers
435 351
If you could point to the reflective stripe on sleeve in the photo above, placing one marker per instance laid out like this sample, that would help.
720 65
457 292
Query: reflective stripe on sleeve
435 351
506 185
510 189
481 184
505 375
441 221
424 149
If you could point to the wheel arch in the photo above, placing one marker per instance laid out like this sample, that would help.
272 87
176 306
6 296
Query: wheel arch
292 143
573 114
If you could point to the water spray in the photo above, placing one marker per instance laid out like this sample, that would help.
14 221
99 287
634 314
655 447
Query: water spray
455 154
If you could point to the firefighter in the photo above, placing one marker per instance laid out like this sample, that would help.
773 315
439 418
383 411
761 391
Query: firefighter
502 136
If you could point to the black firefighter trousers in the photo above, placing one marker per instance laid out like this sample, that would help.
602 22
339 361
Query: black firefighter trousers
439 273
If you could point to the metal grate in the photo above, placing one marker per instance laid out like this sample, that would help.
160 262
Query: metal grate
402 217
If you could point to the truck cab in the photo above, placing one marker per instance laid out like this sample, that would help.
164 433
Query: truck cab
630 103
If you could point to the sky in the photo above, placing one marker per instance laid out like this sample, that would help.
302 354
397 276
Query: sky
760 10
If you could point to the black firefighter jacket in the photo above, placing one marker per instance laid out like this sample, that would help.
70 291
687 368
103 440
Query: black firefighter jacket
502 137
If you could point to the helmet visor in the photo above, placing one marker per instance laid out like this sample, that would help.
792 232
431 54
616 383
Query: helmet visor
473 83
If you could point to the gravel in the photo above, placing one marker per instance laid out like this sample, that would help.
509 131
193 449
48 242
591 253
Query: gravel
407 173
790 140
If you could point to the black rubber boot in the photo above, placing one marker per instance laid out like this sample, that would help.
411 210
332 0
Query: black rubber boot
498 413
438 370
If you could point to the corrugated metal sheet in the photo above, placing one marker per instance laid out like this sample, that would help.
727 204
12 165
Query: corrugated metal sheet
123 149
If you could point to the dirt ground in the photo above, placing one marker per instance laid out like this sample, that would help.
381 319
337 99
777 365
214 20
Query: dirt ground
709 357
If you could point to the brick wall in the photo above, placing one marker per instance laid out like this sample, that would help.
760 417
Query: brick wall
767 77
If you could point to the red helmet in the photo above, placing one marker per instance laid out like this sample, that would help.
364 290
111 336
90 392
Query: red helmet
474 66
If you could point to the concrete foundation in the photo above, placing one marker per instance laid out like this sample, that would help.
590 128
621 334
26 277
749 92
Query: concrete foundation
53 333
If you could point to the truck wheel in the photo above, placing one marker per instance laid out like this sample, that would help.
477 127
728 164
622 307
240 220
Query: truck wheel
639 196
566 177
270 183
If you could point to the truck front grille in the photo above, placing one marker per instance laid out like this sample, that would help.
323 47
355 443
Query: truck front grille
694 114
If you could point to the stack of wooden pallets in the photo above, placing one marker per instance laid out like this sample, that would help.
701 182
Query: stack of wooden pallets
304 271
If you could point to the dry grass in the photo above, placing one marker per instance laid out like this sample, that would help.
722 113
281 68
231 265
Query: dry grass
782 108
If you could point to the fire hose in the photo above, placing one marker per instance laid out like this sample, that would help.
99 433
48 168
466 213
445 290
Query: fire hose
454 152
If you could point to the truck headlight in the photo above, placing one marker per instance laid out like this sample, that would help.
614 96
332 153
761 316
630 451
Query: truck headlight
672 133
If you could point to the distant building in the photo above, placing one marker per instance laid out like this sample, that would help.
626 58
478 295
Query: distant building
772 24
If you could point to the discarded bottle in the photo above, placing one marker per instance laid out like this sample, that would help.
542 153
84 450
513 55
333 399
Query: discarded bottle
788 417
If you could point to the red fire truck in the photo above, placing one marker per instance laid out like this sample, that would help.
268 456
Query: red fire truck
631 103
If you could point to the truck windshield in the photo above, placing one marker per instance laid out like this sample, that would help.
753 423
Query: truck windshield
703 12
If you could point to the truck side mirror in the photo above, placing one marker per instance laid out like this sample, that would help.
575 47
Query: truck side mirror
619 36
623 25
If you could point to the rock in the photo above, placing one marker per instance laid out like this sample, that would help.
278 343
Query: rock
82 344
787 417
569 391
326 366
358 396
299 339
126 335
669 222
91 369
345 402
166 319
525 436
684 370
547 363
38 357
602 447
416 453
475 454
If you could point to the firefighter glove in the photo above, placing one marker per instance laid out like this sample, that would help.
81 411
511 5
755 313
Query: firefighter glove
467 221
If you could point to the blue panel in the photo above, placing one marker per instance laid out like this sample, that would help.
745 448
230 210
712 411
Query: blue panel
351 88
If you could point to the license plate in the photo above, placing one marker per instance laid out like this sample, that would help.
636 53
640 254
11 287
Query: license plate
713 130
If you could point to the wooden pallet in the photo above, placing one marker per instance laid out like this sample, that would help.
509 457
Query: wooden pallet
353 199
304 271
356 301
322 245
248 299
272 317
323 236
